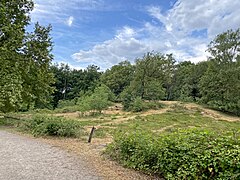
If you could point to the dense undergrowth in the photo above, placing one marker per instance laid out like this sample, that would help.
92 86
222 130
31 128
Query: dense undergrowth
183 154
51 126
43 125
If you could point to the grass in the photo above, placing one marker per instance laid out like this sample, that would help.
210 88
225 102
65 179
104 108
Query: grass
173 120
102 132
179 144
177 117
148 135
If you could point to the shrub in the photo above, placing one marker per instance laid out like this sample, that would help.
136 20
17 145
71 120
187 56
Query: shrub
40 125
99 100
138 105
153 105
67 109
127 98
189 154
66 103
8 122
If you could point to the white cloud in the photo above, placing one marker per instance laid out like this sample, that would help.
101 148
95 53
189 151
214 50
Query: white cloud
174 35
57 11
156 12
187 15
122 47
72 66
69 21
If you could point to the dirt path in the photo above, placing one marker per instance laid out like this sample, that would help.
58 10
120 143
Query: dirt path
30 159
212 113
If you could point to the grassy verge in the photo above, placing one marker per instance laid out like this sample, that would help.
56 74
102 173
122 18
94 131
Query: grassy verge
44 125
40 125
8 122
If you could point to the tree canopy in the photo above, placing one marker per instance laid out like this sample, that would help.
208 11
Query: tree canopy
24 57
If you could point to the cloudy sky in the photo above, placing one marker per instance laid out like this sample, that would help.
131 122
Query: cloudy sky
105 32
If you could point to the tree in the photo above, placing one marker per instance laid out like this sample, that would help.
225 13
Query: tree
62 86
97 101
225 48
118 77
186 80
24 57
168 72
36 72
13 19
220 85
149 72
71 82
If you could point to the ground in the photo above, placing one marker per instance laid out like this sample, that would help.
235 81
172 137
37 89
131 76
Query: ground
26 158
173 115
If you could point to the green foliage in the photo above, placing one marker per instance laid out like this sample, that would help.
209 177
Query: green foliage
69 82
137 105
154 90
8 122
66 103
153 105
14 17
40 125
99 100
127 98
27 78
149 76
118 77
186 80
220 84
38 79
24 58
188 154
10 91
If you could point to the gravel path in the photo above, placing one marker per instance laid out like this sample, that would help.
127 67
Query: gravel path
23 158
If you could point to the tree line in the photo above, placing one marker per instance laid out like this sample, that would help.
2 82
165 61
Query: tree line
156 76
30 80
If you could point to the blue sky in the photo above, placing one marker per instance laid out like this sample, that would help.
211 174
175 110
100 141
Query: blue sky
106 32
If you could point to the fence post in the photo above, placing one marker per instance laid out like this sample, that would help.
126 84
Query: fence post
91 134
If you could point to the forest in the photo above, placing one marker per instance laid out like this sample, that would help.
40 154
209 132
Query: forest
30 79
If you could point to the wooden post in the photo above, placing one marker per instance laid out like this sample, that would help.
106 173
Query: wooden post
91 134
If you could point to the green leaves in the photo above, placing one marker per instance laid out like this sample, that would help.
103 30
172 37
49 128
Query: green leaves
24 58
118 77
40 125
220 85
225 48
185 154
36 73
97 101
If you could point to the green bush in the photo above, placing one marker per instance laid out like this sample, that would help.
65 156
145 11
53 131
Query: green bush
153 105
66 103
138 105
189 154
8 122
40 125
98 101
67 109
